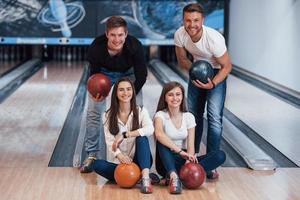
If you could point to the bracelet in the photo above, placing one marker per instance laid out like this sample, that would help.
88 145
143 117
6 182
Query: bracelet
214 85
124 134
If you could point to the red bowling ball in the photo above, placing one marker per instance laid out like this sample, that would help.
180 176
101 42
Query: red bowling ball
98 85
192 175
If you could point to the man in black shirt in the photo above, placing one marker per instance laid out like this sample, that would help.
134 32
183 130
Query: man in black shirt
115 54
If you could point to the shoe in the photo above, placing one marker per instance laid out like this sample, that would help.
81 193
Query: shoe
154 178
87 164
212 175
175 186
146 186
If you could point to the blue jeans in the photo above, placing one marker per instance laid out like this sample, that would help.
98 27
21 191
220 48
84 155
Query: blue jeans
94 137
215 98
142 158
169 161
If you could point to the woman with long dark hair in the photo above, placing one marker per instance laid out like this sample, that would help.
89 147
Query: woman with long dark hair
175 134
126 127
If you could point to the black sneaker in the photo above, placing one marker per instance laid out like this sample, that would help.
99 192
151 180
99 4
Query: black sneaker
154 178
87 164
212 175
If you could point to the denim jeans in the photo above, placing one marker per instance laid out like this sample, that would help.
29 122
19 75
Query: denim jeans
170 161
142 158
94 137
215 98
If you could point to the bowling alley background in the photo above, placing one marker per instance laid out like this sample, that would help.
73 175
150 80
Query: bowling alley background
46 22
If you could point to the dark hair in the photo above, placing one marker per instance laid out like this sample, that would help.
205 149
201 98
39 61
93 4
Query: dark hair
115 106
193 7
116 22
162 105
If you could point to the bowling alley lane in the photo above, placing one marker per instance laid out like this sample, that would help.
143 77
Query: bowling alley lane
273 119
7 65
32 117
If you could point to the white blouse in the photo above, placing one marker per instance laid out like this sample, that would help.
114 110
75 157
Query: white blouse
127 147
177 135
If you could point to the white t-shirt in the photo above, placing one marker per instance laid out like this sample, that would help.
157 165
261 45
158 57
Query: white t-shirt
210 46
178 136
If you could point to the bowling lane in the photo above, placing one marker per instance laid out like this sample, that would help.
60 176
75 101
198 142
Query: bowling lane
6 65
273 119
32 117
151 93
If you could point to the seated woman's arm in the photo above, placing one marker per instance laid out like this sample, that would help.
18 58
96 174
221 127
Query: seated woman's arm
146 125
162 137
191 141
110 140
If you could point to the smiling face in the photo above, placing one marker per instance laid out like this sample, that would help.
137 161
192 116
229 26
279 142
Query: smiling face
174 98
116 38
192 22
124 92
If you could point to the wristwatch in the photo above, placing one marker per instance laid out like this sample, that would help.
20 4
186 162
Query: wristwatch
124 134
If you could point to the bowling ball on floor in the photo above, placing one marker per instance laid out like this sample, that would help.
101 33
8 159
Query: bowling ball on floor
192 175
127 175
201 70
98 85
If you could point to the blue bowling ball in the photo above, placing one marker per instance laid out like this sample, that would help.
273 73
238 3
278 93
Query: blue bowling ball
201 70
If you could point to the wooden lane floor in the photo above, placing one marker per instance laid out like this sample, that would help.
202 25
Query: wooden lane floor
32 117
31 120
67 183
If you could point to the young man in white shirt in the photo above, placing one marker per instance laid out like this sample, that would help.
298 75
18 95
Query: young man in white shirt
204 43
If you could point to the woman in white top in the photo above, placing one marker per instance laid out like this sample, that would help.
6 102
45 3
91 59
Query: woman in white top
126 127
175 134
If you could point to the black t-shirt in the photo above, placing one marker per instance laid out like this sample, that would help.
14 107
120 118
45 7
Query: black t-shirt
132 55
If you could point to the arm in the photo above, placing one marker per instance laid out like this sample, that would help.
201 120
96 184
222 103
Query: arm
140 68
93 57
146 125
191 141
226 67
162 137
110 141
165 140
182 58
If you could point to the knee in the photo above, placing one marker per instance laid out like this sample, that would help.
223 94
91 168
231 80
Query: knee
142 140
142 144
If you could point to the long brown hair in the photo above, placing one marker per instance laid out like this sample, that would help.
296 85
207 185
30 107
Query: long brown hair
162 104
115 106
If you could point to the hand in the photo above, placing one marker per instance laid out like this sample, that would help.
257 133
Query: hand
124 158
118 140
189 157
98 99
192 158
199 84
